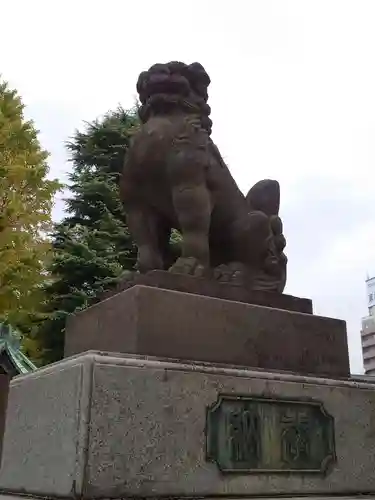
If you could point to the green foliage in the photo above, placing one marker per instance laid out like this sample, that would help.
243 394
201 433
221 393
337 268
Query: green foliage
103 145
92 245
26 199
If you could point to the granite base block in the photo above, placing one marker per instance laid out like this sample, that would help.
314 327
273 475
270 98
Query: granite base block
111 426
212 288
4 391
156 322
324 497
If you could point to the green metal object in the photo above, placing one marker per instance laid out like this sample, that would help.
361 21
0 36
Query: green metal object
12 360
263 435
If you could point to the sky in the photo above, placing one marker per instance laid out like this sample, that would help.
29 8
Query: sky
292 98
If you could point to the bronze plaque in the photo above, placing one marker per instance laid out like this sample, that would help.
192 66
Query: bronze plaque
256 434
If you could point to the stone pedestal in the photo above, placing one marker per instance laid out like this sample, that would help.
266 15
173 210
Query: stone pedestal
212 288
4 390
111 426
229 423
158 322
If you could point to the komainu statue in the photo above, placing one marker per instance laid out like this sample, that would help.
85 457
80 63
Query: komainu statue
175 177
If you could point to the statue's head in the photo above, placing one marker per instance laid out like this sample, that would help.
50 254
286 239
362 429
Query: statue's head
174 85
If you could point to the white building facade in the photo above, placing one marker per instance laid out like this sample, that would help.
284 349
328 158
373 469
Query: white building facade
368 330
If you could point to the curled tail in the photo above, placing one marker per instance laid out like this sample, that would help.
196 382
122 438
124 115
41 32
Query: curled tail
265 197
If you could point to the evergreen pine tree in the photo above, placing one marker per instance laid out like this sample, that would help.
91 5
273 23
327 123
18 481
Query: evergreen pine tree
92 245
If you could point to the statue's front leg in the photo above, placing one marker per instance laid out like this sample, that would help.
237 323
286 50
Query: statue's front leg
143 226
192 204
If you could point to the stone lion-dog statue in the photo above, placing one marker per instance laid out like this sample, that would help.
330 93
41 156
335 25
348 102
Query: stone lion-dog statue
175 178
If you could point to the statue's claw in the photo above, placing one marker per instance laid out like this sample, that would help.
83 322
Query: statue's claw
234 273
188 265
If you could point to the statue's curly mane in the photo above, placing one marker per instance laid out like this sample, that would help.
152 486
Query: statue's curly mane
175 86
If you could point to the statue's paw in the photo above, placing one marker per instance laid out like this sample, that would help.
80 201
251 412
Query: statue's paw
233 273
188 265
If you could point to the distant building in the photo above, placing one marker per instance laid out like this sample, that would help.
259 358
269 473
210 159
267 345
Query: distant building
12 360
368 330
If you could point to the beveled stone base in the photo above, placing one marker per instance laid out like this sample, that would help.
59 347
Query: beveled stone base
158 322
111 426
4 391
309 497
215 289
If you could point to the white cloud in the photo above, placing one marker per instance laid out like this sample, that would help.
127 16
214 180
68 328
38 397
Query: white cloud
292 96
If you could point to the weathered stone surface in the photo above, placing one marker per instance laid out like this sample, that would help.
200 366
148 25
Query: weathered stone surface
216 289
4 389
117 427
175 177
324 497
46 431
158 322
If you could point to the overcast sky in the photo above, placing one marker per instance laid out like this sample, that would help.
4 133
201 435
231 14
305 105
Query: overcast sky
292 97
